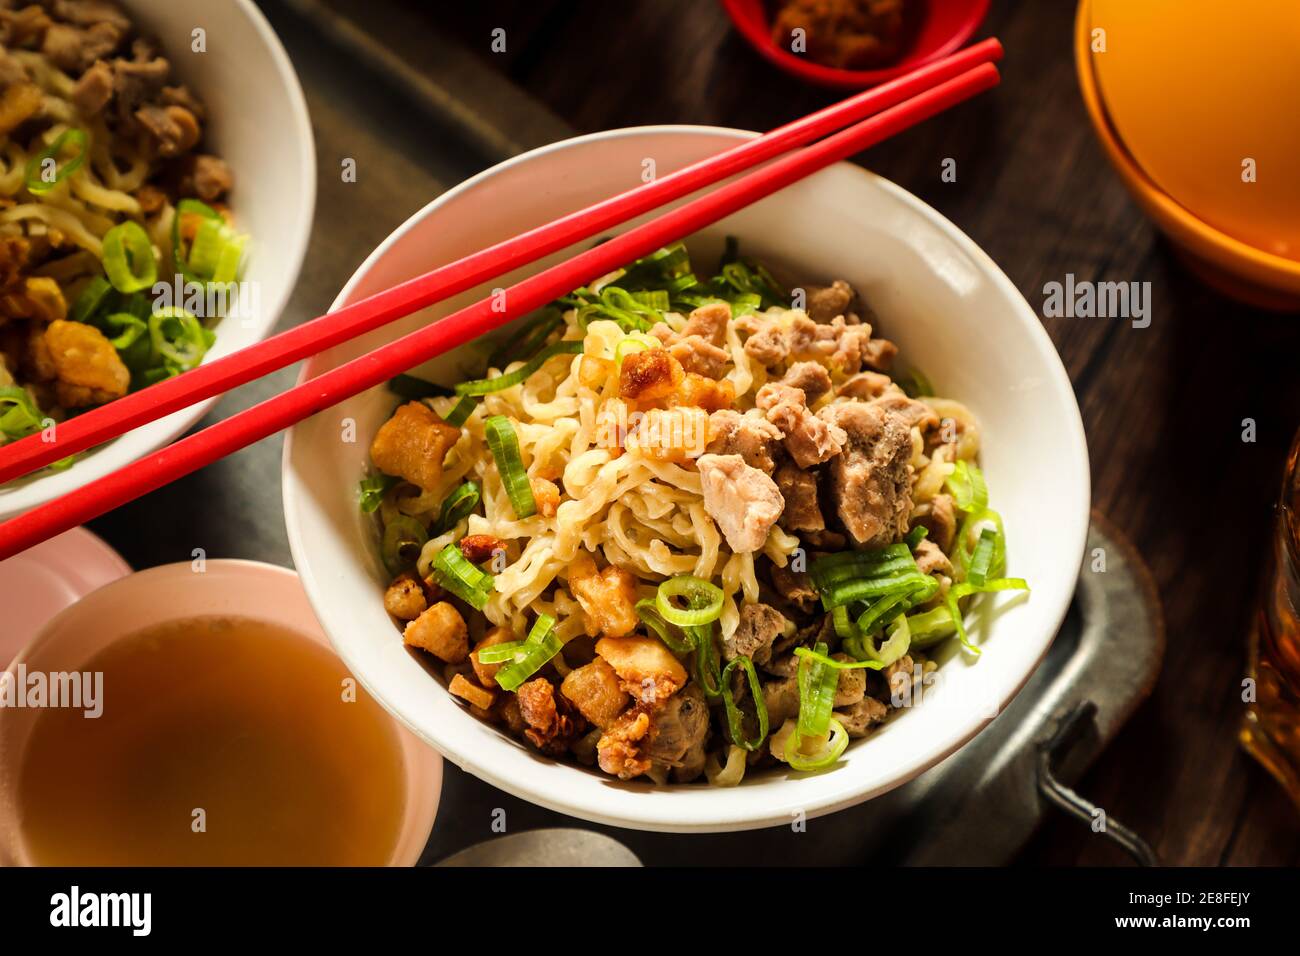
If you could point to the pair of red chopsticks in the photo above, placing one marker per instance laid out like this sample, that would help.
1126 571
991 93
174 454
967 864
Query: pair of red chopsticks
874 116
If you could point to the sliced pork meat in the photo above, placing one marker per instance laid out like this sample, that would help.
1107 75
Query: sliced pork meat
709 322
799 489
809 439
871 479
679 727
94 89
751 436
758 628
930 560
811 378
859 718
775 340
743 501
879 354
782 700
697 354
916 414
939 517
826 302
794 587
867 386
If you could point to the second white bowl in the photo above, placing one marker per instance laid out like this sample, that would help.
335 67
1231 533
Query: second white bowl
952 312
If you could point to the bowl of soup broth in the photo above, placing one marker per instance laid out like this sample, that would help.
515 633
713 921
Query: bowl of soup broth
194 714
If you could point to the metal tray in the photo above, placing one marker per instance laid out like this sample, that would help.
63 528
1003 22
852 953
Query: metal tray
418 116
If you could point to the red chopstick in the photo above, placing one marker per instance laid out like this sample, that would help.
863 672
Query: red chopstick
379 366
221 375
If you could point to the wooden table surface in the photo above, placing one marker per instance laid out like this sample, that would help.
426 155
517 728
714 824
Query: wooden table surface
1163 406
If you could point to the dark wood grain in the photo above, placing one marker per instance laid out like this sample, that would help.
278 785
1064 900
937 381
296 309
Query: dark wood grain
1163 406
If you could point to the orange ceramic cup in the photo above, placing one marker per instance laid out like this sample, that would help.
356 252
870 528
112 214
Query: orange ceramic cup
1182 98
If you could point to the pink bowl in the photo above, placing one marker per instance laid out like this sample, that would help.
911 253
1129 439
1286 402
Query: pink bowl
945 26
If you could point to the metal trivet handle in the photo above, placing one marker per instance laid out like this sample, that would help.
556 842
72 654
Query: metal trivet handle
1061 796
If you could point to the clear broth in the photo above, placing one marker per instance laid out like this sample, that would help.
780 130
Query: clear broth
240 719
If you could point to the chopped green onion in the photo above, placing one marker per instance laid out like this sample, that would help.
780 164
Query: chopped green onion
817 685
128 327
457 506
830 752
216 249
403 539
916 385
708 673
91 299
416 389
371 491
37 181
534 333
457 574
648 611
500 653
867 575
982 558
483 386
703 601
966 484
179 338
128 258
19 414
899 641
736 719
541 645
504 445
461 411
930 627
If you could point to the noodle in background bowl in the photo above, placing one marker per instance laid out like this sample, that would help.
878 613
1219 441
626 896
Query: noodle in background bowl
951 311
258 123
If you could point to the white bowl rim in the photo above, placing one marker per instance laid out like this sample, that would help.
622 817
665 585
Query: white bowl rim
723 817
146 439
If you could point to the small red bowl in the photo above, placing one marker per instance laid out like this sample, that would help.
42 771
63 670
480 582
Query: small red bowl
945 26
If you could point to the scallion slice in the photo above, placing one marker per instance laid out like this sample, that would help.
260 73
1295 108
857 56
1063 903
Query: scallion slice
818 682
36 181
19 414
500 653
92 298
898 643
504 445
483 386
457 506
128 328
703 601
966 484
215 252
178 337
128 258
735 718
461 411
830 752
648 611
403 539
457 574
982 558
371 491
540 646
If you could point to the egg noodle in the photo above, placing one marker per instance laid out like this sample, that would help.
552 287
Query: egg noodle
721 443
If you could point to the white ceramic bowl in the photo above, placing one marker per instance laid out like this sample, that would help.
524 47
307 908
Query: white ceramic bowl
258 123
952 312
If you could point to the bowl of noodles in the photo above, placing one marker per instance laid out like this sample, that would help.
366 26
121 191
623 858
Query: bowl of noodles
762 524
157 185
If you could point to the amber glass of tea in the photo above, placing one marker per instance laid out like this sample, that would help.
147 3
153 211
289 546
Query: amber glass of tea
1271 729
